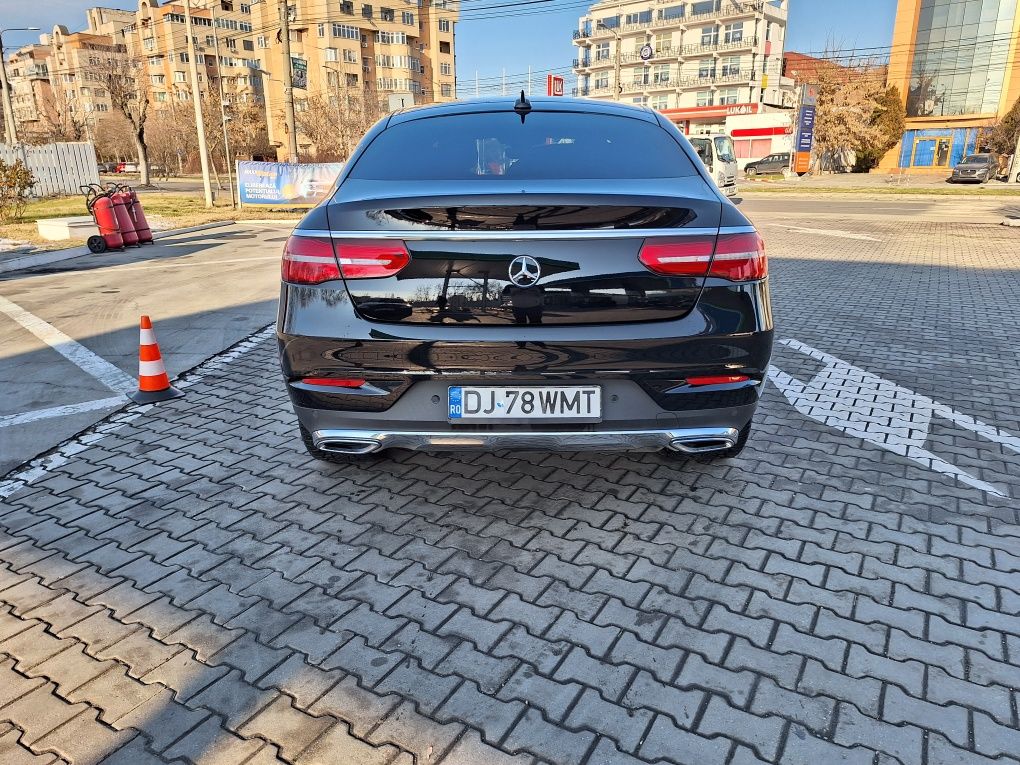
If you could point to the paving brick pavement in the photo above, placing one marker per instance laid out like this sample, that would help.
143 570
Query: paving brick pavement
187 585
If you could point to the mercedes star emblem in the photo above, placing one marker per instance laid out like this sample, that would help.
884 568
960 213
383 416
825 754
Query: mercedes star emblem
525 271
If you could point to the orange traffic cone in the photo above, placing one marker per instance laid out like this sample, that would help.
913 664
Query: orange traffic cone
153 382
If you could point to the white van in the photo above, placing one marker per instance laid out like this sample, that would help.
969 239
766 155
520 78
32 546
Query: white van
716 151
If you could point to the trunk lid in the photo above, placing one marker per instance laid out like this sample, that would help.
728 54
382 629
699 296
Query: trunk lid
540 255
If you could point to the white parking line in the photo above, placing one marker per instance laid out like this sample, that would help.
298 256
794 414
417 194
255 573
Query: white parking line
194 263
73 351
879 411
828 232
9 420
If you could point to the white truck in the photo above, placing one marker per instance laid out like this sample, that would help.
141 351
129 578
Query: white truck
716 151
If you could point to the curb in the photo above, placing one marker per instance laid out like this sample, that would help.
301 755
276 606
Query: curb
55 256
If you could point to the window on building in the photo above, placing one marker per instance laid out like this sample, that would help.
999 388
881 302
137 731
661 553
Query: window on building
710 36
672 12
730 66
158 79
346 31
407 17
729 96
733 33
350 57
183 56
662 42
660 73
347 7
245 8
321 29
155 60
160 96
704 98
445 69
149 43
446 90
601 80
180 77
331 54
602 51
706 6
366 11
387 14
444 25
247 45
642 17
609 22
183 95
659 102
262 42
444 47
706 68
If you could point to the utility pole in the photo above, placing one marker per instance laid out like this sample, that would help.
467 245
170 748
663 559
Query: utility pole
223 109
196 95
288 84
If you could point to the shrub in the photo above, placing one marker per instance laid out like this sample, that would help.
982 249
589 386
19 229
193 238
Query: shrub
15 182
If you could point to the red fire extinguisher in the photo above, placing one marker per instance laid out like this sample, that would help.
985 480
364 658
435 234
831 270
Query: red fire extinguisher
137 215
101 207
120 209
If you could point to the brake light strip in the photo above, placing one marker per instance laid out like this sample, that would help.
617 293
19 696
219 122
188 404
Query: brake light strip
412 235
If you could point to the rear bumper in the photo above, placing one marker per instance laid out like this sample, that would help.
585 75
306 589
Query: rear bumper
685 440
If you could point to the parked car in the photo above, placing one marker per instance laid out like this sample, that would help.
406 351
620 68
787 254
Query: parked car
496 289
127 167
108 167
976 168
773 163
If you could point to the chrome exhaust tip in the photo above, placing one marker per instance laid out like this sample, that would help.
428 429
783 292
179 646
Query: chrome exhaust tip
703 444
347 446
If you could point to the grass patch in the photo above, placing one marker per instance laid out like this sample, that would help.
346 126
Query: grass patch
998 190
163 209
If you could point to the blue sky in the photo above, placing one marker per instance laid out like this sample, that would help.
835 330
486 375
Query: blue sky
540 39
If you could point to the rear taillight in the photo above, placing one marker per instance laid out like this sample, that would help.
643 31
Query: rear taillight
739 258
371 260
684 257
309 260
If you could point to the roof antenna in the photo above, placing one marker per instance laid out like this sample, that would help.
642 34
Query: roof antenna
523 106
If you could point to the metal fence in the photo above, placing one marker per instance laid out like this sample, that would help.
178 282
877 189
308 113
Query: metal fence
59 168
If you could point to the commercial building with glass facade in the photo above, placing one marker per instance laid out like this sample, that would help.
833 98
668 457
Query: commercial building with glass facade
957 64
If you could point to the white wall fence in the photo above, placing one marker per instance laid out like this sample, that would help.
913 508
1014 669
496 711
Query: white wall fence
59 168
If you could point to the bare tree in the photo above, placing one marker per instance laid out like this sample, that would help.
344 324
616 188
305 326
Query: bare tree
125 80
249 135
336 120
848 100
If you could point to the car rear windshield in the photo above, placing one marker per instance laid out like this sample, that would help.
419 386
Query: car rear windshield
547 145
976 158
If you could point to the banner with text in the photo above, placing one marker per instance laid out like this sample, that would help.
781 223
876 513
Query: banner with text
281 183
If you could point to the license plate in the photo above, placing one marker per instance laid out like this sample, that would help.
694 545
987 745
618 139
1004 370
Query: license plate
526 403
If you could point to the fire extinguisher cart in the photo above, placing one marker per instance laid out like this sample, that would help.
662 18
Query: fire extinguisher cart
100 205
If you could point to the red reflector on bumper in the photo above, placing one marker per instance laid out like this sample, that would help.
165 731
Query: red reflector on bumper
334 382
717 379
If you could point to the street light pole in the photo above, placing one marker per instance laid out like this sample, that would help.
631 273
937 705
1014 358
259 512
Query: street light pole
10 127
616 68
223 109
288 84
196 95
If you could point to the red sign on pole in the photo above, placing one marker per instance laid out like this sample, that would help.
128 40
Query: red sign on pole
553 85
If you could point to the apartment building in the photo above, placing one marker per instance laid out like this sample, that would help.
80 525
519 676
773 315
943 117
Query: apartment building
957 65
397 54
697 62
224 46
28 73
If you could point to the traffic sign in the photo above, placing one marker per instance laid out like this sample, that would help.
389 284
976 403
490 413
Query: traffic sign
554 85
